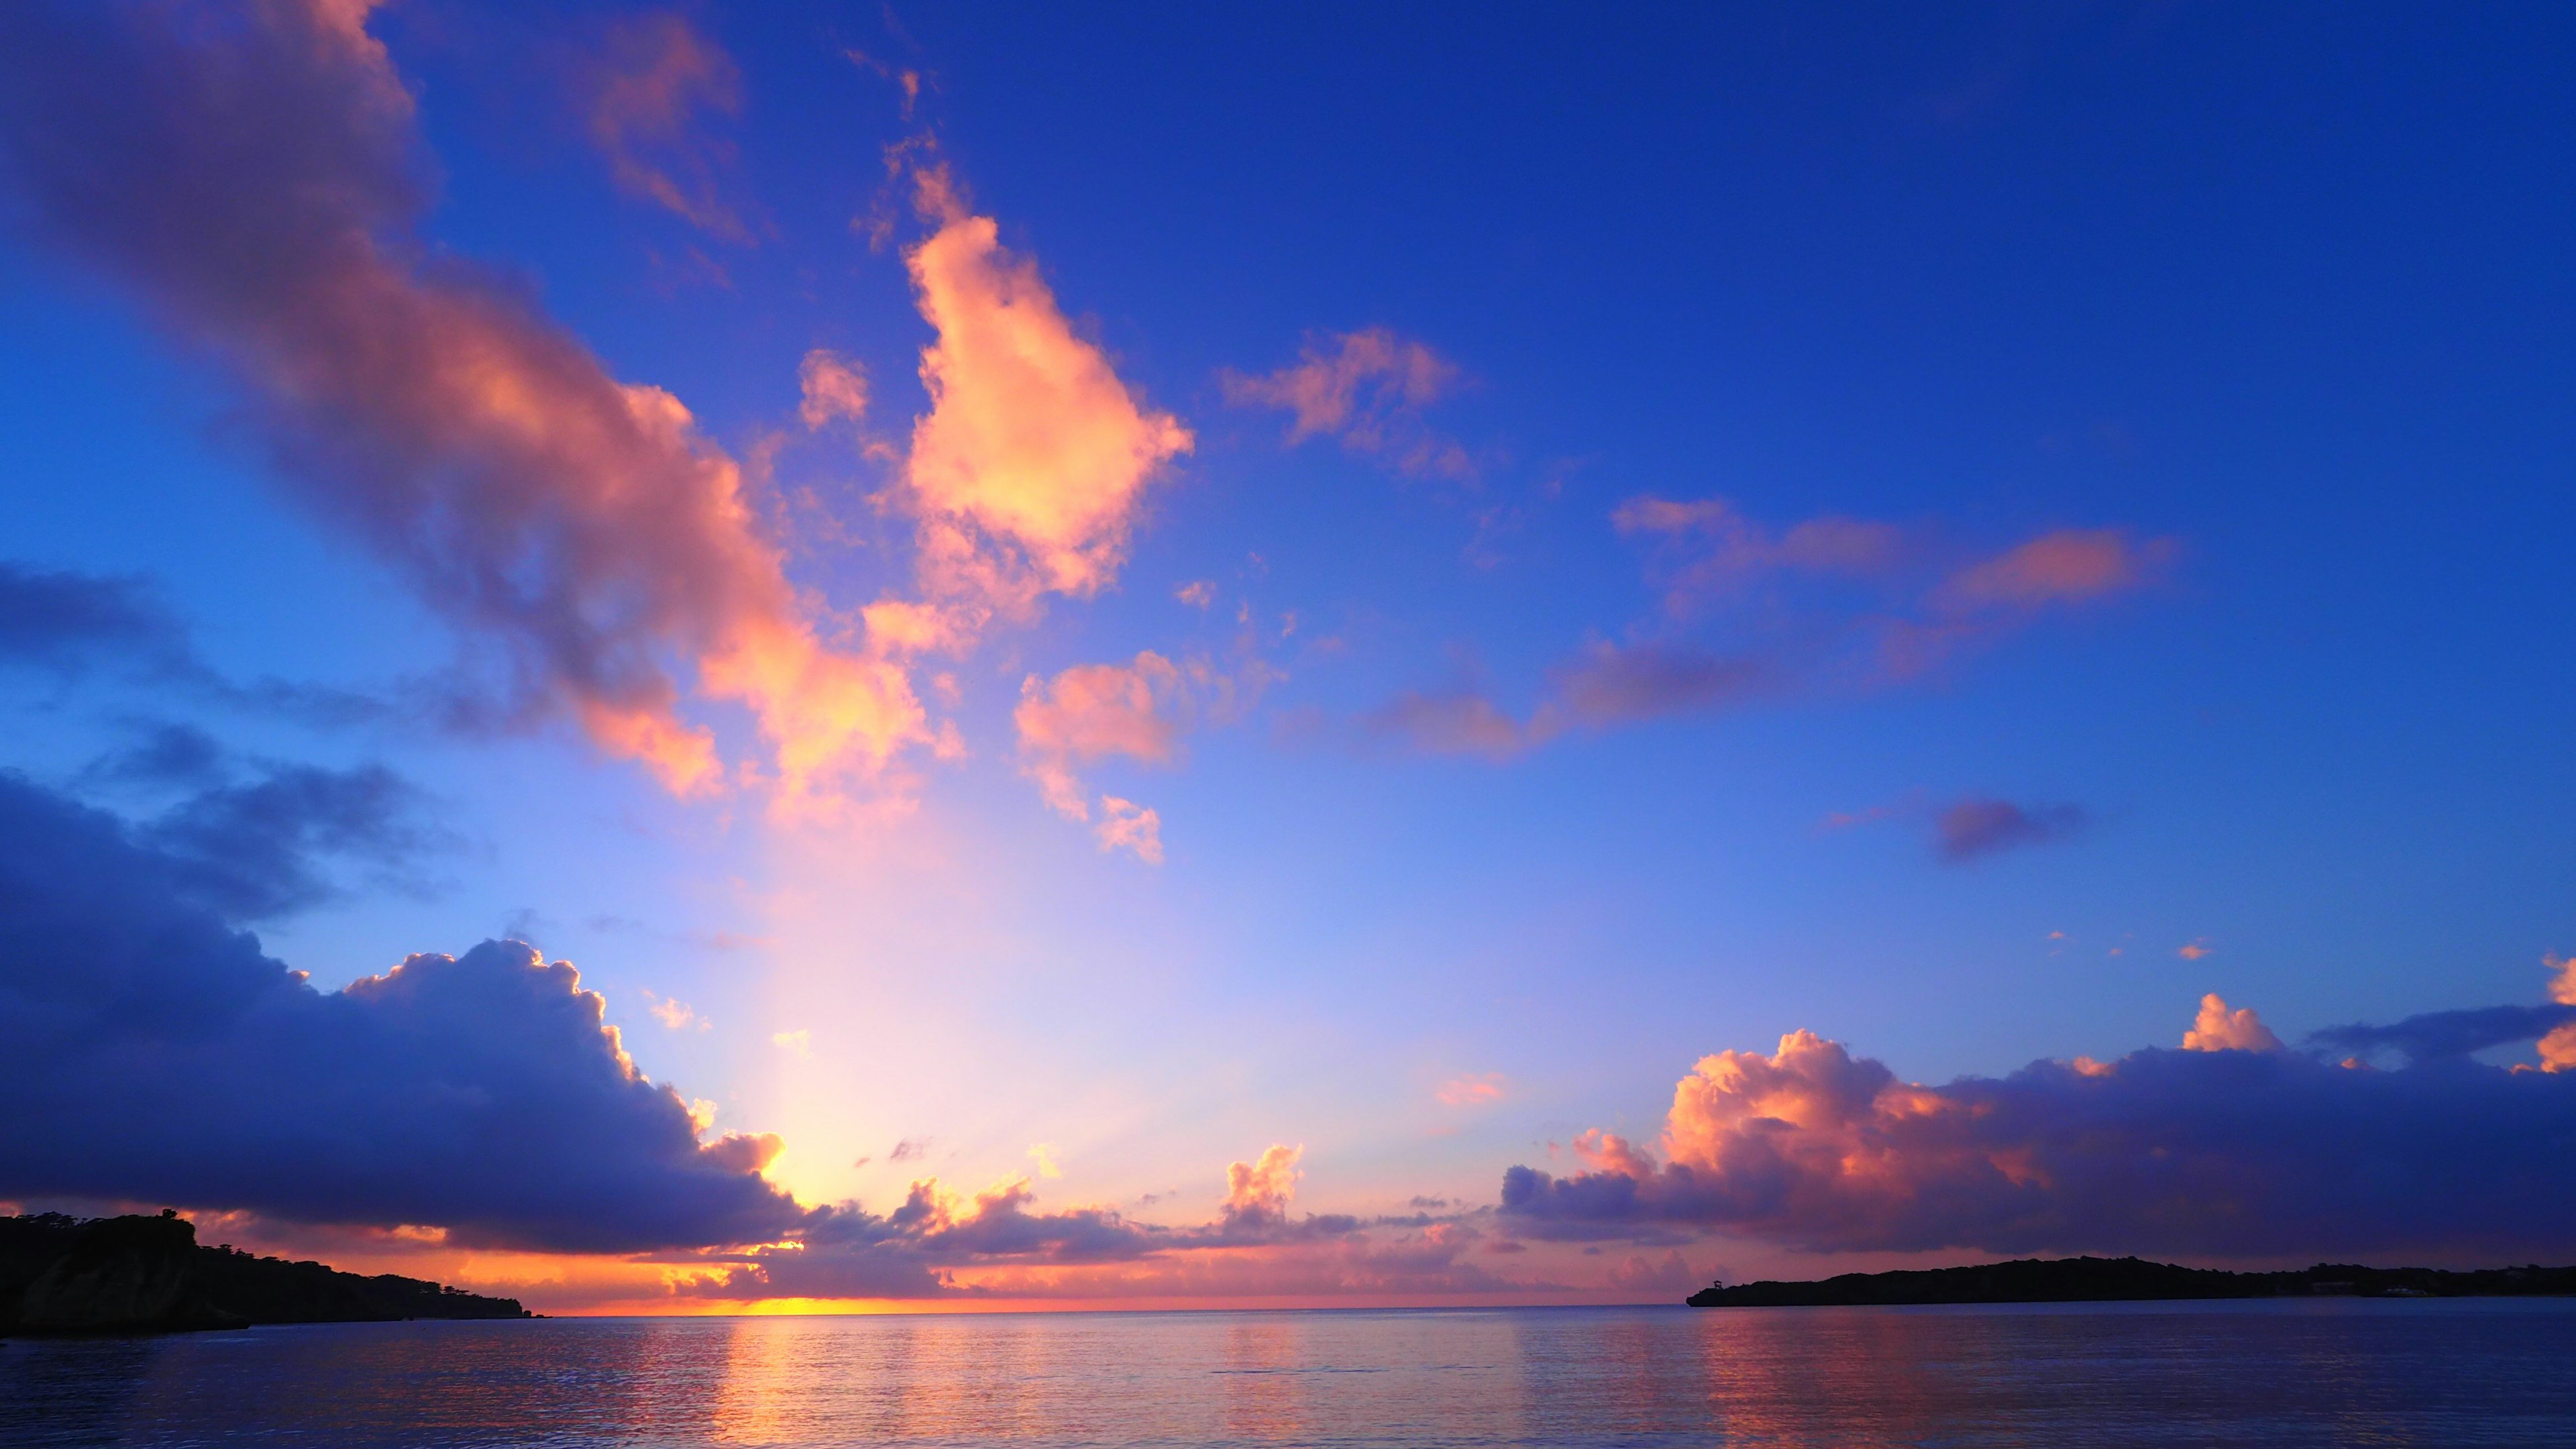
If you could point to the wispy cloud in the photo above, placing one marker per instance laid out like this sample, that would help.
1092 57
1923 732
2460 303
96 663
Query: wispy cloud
645 92
1368 389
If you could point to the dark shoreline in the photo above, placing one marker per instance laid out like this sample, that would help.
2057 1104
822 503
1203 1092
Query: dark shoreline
2114 1280
63 1276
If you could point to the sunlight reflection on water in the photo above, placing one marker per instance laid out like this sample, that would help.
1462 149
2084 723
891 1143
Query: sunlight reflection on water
2351 1372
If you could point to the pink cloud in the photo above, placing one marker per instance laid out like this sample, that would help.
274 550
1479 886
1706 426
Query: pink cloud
584 525
2218 1029
2231 1152
834 387
645 92
1368 389
2069 566
1471 1090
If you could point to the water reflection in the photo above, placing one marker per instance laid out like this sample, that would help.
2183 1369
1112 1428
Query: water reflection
2446 1373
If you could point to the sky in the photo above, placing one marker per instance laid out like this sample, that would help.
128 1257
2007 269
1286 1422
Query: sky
834 657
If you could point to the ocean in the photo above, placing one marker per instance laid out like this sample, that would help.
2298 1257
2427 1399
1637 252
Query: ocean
2444 1372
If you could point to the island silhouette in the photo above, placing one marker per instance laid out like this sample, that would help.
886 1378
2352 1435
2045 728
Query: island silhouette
138 1274
2105 1280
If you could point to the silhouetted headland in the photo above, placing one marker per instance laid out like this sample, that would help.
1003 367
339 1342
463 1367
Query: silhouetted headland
2106 1280
63 1274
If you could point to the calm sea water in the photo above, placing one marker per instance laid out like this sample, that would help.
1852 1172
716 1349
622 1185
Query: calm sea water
2340 1373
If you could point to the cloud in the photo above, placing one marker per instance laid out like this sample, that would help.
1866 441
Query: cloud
1711 548
1139 711
1368 389
1602 686
1459 720
257 182
909 1149
1258 1192
1026 475
2558 1049
152 1052
2218 1029
795 1043
2448 1035
63 621
1471 1089
833 387
2224 1153
1979 826
1198 593
643 93
921 1247
2068 566
1091 711
253 851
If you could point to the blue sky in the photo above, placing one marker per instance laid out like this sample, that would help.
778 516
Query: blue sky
2275 301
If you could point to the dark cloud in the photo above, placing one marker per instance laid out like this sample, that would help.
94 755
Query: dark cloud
2440 1035
2224 1154
1601 687
171 754
151 1052
67 622
1607 685
1978 826
72 625
255 851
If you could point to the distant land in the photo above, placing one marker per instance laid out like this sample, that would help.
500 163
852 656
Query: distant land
63 1274
2105 1280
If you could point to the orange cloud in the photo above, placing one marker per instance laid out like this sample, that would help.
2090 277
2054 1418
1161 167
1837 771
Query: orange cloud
646 90
2558 1048
1368 389
2218 1029
1028 470
1259 1191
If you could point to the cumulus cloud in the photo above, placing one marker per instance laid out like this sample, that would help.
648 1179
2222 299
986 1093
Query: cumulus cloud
152 1052
1026 475
256 180
2244 1150
2218 1029
1368 389
1978 825
645 92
